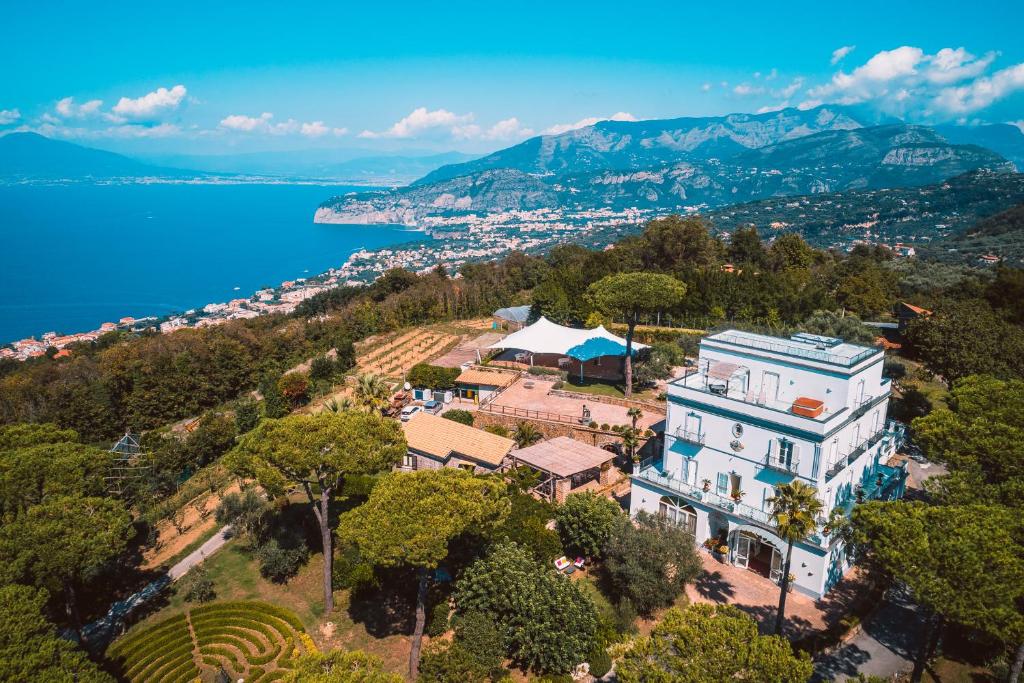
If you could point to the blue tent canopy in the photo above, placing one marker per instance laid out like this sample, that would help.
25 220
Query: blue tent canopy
595 347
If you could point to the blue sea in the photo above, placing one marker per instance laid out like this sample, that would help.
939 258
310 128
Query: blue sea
75 256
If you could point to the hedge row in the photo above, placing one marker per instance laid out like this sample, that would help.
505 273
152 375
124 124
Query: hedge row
225 653
272 631
156 651
249 606
186 672
127 647
160 659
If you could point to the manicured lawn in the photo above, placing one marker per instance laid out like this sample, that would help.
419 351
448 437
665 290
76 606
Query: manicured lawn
598 388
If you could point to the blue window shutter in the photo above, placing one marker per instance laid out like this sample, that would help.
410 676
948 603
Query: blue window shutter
817 461
723 483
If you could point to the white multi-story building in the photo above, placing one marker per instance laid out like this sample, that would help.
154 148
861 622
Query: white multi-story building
760 411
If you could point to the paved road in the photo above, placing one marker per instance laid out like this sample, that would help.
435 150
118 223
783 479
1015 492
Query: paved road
199 554
885 645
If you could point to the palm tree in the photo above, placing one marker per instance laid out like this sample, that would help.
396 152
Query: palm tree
630 440
336 406
795 510
634 415
372 393
526 435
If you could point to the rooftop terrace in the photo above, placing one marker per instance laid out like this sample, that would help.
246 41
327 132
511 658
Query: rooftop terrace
802 345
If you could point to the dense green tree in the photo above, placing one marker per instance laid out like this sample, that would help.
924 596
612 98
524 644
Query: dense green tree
708 644
846 327
274 403
795 509
247 415
789 251
30 649
24 435
321 369
960 562
411 518
649 561
673 243
968 338
339 666
317 452
212 438
586 521
547 622
527 525
62 543
632 296
746 249
32 474
980 437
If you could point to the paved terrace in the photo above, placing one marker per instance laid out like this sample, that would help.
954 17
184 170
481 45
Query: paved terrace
519 400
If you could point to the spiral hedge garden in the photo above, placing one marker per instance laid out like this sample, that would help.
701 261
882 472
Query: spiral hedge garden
246 639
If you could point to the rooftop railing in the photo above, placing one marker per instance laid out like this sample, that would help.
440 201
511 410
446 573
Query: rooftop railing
789 348
782 463
840 463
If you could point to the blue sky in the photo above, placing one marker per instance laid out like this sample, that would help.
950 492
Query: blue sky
217 77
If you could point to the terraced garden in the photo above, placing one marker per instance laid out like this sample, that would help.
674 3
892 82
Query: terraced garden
255 641
394 358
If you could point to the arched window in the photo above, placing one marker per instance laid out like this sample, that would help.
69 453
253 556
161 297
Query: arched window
674 510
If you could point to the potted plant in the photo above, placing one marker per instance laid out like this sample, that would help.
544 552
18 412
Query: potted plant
878 481
723 553
791 579
859 491
707 485
737 495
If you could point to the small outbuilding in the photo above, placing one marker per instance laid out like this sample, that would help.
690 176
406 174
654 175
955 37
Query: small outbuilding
565 465
512 318
482 384
435 442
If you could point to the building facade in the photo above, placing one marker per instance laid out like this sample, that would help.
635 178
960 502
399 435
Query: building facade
760 411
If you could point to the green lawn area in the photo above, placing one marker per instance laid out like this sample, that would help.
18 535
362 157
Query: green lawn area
599 388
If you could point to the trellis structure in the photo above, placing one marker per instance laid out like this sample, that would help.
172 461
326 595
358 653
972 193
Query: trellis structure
126 465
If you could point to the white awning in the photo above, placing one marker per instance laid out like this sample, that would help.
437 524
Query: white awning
545 336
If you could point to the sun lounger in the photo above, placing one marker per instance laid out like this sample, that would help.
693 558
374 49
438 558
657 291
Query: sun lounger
562 563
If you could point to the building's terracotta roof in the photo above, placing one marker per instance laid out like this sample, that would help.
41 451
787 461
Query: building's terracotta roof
441 438
563 456
917 309
492 378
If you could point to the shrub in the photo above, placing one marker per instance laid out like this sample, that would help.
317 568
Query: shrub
278 563
479 636
637 558
321 369
246 512
558 385
461 416
586 521
497 429
247 415
197 586
450 663
592 424
605 427
432 376
437 624
349 570
294 386
600 662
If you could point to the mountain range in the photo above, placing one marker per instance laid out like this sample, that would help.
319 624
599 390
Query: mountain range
685 164
30 156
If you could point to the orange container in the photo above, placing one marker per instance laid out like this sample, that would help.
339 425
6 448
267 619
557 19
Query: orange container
808 407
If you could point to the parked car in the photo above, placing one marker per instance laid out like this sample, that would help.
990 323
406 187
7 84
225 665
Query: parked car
408 412
432 407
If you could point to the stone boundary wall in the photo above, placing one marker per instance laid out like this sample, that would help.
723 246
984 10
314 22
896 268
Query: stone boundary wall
550 430
611 400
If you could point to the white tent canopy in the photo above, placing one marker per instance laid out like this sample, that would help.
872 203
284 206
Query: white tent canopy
545 336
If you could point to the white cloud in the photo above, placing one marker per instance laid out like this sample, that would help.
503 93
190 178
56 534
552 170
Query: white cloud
150 104
1019 124
317 129
9 116
246 124
772 75
773 107
840 52
559 128
981 92
706 87
790 90
745 89
133 130
508 129
421 121
69 110
909 81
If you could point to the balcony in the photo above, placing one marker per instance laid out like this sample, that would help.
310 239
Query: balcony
840 463
650 470
780 463
696 438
